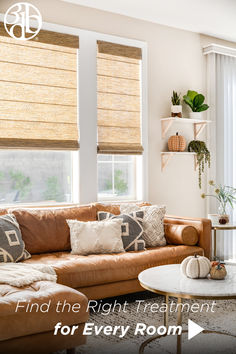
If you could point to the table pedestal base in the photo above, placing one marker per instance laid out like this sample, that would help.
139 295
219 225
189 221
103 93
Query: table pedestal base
178 351
179 323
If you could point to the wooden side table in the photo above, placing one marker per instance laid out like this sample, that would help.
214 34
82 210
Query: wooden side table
215 227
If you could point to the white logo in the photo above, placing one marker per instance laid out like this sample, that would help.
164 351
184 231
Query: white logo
17 21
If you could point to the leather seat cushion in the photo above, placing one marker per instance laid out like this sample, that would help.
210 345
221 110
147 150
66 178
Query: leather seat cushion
81 271
21 323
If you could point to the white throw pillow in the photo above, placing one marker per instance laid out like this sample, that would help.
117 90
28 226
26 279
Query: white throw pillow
153 226
93 237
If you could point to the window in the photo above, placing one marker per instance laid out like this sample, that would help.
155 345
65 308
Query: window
116 177
35 176
38 103
38 91
119 99
40 87
119 119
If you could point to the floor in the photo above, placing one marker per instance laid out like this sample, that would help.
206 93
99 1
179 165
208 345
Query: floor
222 319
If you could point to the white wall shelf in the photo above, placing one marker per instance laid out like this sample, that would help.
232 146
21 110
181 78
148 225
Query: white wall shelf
167 155
198 125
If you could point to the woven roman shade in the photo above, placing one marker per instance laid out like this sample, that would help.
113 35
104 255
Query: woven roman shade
38 91
119 99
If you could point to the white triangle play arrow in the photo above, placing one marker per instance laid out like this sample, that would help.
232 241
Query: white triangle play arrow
193 329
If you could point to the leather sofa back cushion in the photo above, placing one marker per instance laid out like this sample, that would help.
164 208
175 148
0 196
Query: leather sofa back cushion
109 208
3 211
181 234
114 208
46 230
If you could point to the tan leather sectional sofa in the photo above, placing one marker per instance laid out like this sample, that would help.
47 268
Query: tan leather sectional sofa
46 236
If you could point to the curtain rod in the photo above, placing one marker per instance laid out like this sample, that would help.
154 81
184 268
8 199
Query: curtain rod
219 49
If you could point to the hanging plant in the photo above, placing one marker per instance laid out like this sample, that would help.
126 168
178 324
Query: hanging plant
203 157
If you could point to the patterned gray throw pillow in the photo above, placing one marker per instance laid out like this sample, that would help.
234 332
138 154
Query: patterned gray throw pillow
131 229
12 247
153 222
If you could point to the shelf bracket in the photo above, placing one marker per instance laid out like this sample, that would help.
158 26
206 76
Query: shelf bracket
164 160
165 126
198 128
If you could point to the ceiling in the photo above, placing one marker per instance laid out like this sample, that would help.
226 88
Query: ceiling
212 17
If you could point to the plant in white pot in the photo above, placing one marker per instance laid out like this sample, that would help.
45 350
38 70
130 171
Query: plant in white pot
226 197
176 108
195 101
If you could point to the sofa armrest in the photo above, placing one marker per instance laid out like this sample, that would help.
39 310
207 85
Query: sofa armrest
203 226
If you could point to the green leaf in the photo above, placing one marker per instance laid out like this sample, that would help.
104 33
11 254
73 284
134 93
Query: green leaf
198 100
191 94
202 108
231 204
188 101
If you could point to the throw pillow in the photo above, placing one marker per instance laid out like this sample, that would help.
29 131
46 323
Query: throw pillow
181 234
153 226
131 229
93 237
12 247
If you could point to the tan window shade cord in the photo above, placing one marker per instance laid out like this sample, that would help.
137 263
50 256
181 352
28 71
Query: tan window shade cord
119 99
38 91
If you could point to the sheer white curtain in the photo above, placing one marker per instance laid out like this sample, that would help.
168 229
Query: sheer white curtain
225 116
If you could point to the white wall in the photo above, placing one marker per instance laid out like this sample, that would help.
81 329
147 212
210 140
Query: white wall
175 61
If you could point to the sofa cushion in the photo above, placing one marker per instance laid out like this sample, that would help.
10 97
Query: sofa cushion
114 208
131 229
21 323
46 230
12 247
153 226
94 237
3 211
109 208
81 271
181 234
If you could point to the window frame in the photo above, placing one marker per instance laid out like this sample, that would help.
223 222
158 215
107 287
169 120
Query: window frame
85 186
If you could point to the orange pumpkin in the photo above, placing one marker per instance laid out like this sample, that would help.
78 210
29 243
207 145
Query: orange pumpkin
215 263
218 271
177 143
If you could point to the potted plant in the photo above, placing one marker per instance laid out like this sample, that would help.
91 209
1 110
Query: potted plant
176 108
226 198
196 102
203 157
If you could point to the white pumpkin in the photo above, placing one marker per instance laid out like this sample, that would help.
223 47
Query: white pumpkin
195 267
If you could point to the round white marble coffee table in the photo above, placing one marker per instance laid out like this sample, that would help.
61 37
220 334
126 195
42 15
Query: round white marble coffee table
167 280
